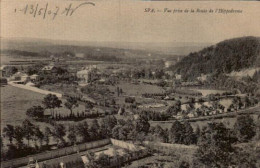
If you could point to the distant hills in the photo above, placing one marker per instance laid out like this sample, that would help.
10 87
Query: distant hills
121 49
224 57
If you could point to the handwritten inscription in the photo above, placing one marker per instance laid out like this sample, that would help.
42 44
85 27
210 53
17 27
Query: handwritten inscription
45 11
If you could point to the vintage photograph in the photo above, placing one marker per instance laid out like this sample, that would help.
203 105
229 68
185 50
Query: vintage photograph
130 84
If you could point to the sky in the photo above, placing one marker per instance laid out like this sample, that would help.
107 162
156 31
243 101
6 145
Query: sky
126 21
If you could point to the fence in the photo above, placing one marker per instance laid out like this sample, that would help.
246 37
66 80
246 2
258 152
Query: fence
55 153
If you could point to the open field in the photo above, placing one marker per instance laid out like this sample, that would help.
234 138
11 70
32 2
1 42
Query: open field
139 89
24 61
15 102
228 122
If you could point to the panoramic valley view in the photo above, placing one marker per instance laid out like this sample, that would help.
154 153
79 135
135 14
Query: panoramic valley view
90 105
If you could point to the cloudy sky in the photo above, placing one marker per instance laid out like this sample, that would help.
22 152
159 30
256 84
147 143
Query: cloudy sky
126 21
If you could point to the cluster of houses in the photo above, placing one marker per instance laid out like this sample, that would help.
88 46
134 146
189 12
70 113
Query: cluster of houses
23 78
85 75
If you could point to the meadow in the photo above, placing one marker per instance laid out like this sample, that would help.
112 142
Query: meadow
16 101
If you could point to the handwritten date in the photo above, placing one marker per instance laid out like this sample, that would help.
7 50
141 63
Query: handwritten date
44 11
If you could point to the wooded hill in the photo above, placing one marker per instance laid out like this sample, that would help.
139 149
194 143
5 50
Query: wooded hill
224 57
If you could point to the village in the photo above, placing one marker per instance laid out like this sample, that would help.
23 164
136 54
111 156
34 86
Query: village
91 112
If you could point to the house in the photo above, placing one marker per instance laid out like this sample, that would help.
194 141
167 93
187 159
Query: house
84 75
49 69
18 76
34 77
25 77
87 74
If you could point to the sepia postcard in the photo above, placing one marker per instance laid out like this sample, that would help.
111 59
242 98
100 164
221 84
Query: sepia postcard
130 84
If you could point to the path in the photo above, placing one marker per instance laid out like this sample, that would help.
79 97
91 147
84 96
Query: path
34 89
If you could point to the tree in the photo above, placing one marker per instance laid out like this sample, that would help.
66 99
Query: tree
176 132
247 102
174 109
142 124
82 130
47 134
92 161
72 135
188 135
215 146
18 136
197 133
28 129
159 134
9 132
190 107
10 70
123 133
115 131
257 136
237 103
58 134
215 104
71 103
105 132
103 160
110 122
244 128
89 105
38 135
51 101
35 112
94 130
184 164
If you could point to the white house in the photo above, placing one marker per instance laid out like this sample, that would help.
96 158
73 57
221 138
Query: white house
86 74
34 77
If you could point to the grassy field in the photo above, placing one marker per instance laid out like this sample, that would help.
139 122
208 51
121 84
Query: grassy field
16 101
139 89
229 122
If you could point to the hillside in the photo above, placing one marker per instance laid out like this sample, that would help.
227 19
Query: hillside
225 57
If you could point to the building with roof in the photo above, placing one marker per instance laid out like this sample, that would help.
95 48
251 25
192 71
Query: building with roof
49 69
18 76
34 77
87 74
